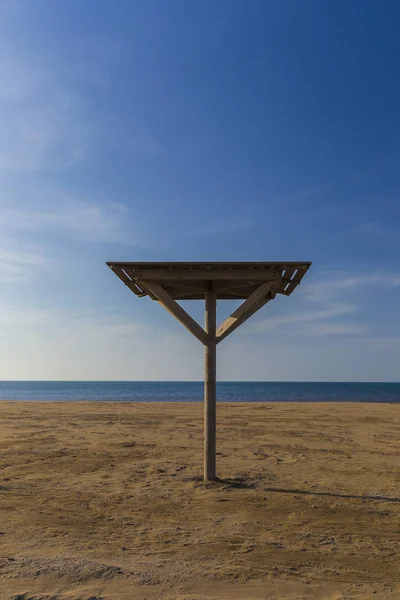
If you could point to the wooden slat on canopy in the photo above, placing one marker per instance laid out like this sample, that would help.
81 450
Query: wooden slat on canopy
190 281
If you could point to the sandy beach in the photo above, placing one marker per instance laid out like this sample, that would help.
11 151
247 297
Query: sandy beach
104 500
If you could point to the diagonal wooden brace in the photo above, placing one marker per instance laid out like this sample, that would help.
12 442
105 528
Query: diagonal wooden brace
263 294
159 293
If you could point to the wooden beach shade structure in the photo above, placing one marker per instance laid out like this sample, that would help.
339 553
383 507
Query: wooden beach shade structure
255 284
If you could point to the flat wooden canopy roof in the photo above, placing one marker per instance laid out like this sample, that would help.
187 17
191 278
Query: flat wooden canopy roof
190 280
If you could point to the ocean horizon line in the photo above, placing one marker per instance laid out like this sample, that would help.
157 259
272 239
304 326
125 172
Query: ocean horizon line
199 381
193 391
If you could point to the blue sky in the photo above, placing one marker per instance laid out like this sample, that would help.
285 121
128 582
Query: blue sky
183 130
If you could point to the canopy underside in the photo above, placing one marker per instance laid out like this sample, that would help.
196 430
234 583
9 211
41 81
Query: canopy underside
190 281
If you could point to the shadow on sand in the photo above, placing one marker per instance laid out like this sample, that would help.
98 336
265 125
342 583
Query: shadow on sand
243 483
236 482
332 495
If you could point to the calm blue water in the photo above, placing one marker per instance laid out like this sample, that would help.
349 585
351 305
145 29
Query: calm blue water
142 391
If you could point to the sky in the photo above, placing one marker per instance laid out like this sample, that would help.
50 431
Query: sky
181 130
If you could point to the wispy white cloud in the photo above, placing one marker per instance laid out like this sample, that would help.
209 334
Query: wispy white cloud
48 121
25 250
342 283
21 265
312 190
71 323
384 233
304 318
327 305
106 327
103 222
323 329
230 224
45 125
41 121
48 118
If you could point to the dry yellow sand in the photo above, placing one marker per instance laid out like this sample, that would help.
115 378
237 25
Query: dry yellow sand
106 501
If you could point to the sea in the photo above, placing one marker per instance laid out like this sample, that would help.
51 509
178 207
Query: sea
192 391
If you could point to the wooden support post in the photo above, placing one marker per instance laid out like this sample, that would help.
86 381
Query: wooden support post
175 309
254 302
210 386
